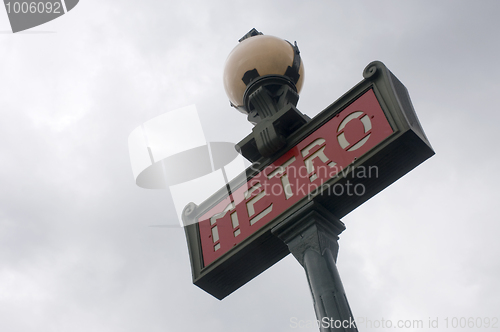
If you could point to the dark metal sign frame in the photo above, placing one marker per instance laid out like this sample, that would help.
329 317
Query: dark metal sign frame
394 156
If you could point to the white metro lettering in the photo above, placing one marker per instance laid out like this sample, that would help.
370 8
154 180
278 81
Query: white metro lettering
367 125
309 161
250 204
281 172
215 229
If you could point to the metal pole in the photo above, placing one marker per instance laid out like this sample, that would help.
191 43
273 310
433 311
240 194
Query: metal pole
311 236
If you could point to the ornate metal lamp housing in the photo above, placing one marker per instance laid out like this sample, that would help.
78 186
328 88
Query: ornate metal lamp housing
263 76
259 56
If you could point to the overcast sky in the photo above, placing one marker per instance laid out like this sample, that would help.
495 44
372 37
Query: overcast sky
77 252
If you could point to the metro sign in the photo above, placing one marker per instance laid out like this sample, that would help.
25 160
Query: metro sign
355 148
319 157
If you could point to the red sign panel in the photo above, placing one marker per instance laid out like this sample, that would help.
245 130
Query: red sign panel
324 154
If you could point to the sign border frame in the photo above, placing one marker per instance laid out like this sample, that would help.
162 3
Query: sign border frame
262 249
